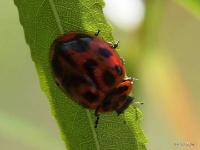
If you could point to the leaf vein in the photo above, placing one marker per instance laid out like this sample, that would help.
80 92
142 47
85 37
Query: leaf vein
93 131
55 13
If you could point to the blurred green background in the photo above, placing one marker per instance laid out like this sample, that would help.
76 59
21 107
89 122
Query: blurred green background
163 53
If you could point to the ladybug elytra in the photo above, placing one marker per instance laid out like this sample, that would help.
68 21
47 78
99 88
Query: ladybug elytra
90 70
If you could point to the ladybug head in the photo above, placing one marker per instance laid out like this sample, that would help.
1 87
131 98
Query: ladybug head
119 98
123 100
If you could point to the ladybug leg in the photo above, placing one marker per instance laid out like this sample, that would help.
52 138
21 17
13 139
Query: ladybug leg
96 34
97 114
123 60
57 83
115 45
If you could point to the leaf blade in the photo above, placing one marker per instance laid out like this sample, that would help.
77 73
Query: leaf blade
43 21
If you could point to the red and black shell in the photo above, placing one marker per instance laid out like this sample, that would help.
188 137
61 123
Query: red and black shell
90 70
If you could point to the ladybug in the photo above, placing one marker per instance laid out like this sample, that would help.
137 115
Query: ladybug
90 71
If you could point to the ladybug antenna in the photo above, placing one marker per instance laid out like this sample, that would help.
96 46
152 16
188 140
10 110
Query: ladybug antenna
97 33
135 79
97 121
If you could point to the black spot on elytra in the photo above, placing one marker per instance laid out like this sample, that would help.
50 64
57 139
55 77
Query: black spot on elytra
69 60
91 97
61 50
108 78
104 52
56 66
122 89
90 66
79 44
82 44
118 70
86 40
74 80
63 46
106 103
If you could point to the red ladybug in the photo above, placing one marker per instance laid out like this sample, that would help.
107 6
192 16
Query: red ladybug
90 70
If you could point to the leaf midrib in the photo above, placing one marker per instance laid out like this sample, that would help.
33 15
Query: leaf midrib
61 30
57 18
93 130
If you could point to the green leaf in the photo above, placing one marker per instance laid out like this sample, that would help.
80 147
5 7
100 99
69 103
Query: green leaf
43 21
192 5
